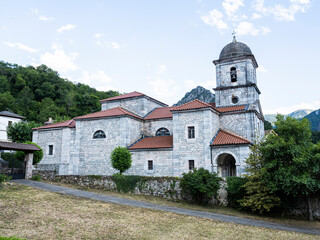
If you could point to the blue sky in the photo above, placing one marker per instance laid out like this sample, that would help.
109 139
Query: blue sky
165 48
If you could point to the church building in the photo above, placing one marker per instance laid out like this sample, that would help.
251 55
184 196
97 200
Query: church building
163 140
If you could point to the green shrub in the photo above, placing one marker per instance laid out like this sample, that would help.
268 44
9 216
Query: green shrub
236 191
200 185
121 159
36 178
37 155
125 183
10 238
4 178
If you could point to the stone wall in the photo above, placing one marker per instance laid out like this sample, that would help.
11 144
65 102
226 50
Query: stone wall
165 187
206 124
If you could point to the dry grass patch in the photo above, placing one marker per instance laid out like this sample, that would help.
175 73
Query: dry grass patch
35 214
214 209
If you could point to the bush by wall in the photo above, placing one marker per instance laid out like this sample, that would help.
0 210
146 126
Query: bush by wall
125 183
236 191
199 186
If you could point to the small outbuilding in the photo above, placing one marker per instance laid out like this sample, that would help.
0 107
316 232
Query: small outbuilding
29 149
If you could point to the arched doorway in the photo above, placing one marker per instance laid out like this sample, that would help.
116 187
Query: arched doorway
226 165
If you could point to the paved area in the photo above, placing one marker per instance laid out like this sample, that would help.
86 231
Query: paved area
141 204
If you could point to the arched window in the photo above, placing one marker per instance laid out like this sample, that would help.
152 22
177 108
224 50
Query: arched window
233 74
162 132
99 134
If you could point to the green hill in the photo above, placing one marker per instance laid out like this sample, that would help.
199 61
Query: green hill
39 93
314 119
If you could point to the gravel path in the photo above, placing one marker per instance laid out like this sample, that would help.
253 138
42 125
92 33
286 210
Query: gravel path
141 204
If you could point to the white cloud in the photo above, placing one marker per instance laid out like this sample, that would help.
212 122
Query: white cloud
98 35
114 45
214 18
34 10
231 6
247 28
162 69
67 27
159 86
256 16
59 60
286 110
265 30
47 19
21 47
99 79
281 12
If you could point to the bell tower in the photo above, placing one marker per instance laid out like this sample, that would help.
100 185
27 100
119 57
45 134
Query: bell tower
236 76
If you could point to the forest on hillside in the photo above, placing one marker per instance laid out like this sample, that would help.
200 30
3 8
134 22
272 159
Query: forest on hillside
38 93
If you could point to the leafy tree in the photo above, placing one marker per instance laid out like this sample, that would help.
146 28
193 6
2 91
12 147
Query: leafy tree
21 131
236 191
259 196
291 162
121 159
267 125
200 185
37 155
315 137
26 90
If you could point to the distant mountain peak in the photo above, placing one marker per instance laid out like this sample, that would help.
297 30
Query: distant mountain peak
200 93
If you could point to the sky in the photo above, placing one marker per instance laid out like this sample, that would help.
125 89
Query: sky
165 48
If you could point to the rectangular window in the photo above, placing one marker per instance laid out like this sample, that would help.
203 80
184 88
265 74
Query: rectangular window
191 132
9 123
150 165
191 165
50 149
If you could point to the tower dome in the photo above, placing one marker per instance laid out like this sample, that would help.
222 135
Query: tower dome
234 49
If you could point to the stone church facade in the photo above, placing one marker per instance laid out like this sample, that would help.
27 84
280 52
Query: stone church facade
163 140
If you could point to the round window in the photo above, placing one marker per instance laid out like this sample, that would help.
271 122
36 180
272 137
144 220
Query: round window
235 100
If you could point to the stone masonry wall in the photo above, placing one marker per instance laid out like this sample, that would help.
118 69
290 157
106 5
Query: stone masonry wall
206 124
165 187
162 163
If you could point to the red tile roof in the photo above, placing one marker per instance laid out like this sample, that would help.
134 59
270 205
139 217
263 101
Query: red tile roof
128 95
159 113
231 108
153 143
225 138
117 111
70 123
195 104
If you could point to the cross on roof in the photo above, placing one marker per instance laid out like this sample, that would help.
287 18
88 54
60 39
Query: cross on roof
234 35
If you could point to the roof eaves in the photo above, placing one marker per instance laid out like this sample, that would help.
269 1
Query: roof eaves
211 142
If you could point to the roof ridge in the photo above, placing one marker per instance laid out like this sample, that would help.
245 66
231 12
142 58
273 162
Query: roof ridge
195 100
126 111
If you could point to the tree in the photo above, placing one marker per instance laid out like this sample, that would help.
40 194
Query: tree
21 131
291 162
267 125
259 196
37 155
121 159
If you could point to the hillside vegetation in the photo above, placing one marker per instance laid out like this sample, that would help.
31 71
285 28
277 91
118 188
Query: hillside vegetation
39 93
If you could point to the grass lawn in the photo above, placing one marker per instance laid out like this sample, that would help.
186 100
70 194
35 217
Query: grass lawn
214 209
30 213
